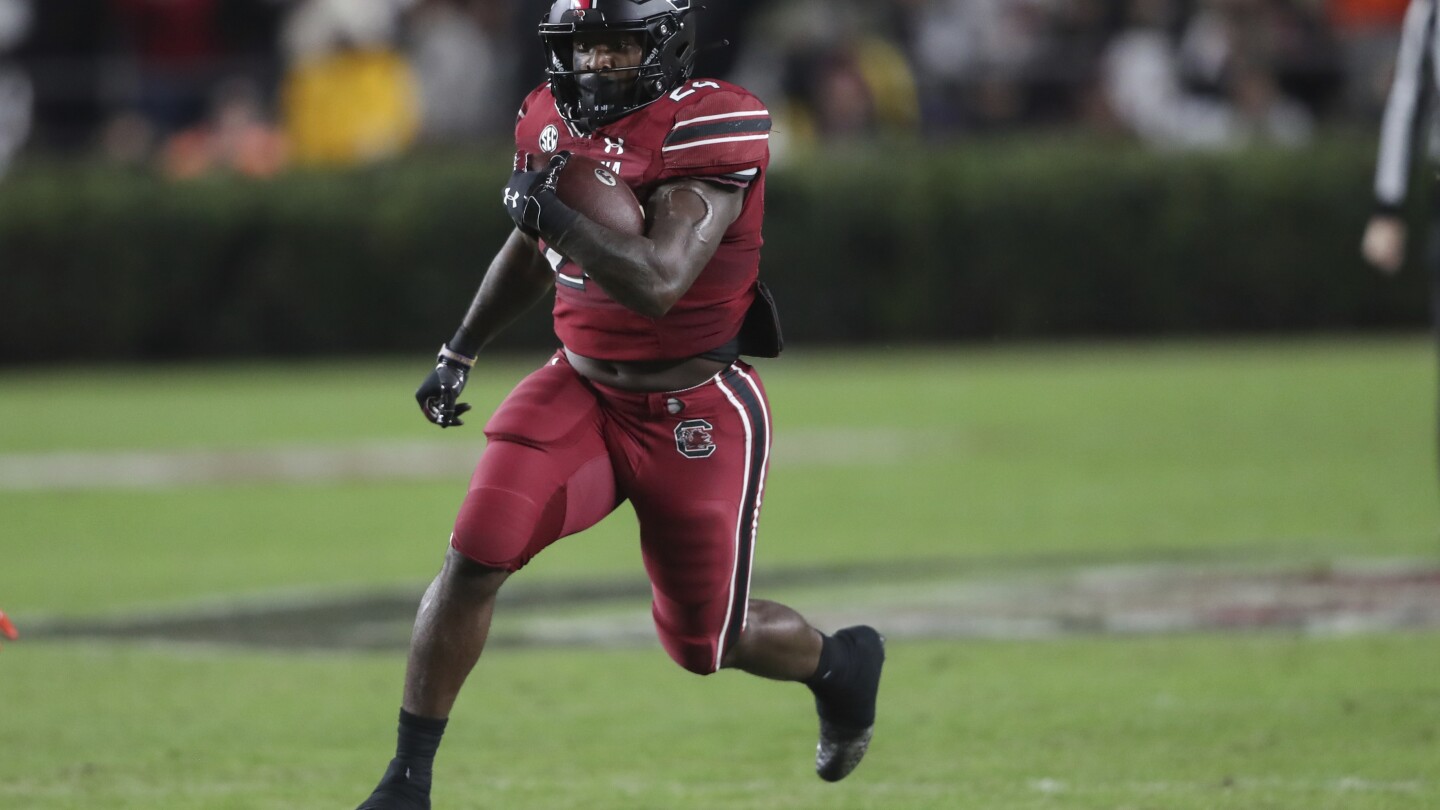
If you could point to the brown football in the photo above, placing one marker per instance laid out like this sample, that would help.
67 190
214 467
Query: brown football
590 187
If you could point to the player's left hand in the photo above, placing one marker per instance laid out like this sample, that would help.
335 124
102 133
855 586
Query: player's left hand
437 394
531 201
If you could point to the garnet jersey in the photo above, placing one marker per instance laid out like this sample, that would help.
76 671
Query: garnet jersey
704 128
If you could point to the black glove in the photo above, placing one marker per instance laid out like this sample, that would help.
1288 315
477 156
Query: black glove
438 393
531 201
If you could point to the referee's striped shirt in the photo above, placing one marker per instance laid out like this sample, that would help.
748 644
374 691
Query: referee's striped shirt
1406 107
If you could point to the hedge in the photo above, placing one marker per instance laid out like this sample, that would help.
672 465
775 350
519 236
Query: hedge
909 243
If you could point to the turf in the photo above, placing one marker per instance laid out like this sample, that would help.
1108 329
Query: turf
1281 450
1193 722
1260 451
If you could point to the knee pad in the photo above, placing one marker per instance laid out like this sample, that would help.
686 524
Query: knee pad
499 528
696 654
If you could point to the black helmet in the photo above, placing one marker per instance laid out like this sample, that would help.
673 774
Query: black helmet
666 29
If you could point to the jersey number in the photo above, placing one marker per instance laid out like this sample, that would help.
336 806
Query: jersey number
683 91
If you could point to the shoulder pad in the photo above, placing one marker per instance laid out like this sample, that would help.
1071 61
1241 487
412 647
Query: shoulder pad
717 126
529 101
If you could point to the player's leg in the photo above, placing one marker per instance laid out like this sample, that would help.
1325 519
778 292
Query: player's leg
451 628
842 671
450 631
699 505
776 642
545 474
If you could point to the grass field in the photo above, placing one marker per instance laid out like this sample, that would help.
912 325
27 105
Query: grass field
917 466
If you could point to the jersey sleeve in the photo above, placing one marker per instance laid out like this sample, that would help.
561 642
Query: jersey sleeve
525 107
722 134
1405 107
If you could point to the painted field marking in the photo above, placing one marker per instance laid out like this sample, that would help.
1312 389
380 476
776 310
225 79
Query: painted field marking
388 461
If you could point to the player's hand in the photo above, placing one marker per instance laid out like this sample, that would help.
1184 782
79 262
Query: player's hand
531 201
1384 243
442 387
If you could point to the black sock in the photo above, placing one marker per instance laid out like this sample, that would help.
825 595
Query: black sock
844 682
832 661
418 740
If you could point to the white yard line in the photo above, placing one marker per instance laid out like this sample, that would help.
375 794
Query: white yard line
376 461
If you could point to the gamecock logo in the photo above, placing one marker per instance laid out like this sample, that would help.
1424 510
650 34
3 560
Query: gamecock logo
692 438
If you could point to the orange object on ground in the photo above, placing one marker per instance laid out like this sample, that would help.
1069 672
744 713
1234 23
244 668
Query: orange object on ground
7 627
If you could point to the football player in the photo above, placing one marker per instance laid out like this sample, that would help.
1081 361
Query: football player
647 401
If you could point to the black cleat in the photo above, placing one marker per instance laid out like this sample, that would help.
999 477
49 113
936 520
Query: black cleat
840 750
843 744
396 792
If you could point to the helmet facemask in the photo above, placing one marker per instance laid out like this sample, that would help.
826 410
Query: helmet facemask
590 99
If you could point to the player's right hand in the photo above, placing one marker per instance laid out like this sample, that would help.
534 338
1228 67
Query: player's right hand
530 198
437 394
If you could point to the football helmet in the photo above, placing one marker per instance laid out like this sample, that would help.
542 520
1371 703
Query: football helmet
666 29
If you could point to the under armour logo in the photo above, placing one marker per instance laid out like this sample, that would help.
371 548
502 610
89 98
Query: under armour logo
617 144
512 198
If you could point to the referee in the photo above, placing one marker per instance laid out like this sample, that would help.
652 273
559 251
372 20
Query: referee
1406 109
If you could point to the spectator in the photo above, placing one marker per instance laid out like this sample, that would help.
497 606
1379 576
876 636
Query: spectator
976 60
1062 82
174 50
1369 35
16 93
462 61
250 40
1230 50
1212 89
237 137
348 95
829 71
1305 55
62 56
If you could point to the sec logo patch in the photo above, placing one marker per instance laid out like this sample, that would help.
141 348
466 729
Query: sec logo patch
549 138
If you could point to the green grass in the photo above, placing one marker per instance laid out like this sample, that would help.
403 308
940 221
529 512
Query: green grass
1195 722
1248 452
1287 450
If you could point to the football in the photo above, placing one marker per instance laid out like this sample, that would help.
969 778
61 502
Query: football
591 188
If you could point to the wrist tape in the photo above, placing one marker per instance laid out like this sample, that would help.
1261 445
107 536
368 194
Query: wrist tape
448 353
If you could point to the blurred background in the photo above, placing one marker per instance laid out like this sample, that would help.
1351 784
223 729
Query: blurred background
193 178
244 84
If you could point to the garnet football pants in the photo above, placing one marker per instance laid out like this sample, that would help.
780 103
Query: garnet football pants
564 452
